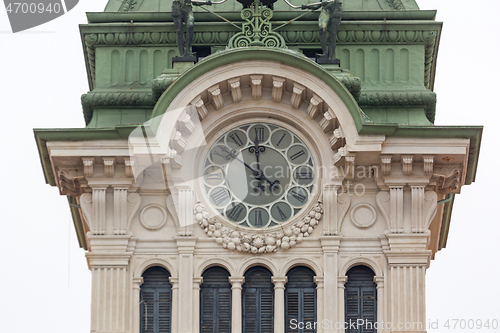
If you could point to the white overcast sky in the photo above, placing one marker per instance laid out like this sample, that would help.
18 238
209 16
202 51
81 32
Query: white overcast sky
44 279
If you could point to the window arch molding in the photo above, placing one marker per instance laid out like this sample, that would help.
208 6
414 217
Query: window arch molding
361 261
295 262
258 261
144 265
213 262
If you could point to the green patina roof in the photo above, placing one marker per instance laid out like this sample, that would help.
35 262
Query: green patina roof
232 5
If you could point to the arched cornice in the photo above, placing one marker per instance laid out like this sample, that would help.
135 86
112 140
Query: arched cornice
361 261
258 261
294 262
147 263
212 262
285 57
212 71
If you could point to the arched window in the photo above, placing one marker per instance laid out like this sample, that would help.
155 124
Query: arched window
215 301
361 300
258 301
156 301
300 301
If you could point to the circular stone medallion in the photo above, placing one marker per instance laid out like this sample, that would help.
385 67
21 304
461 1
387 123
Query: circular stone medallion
363 215
153 217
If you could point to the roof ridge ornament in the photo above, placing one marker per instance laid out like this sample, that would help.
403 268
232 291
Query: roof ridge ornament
257 30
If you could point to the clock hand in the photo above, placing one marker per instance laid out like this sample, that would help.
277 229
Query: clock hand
258 174
257 150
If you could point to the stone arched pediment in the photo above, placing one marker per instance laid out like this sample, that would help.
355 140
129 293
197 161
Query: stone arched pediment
292 79
141 268
365 261
258 261
302 261
212 262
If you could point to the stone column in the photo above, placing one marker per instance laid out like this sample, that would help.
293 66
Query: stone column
330 246
196 303
379 280
135 308
408 260
120 216
99 209
110 287
185 246
279 303
320 297
236 284
109 294
175 304
341 280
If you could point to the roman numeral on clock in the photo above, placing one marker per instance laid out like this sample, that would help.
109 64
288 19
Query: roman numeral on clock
236 139
258 219
219 196
214 176
282 215
297 155
300 197
304 175
235 212
259 133
278 144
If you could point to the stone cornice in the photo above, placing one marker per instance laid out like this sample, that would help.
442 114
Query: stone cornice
95 99
383 98
297 34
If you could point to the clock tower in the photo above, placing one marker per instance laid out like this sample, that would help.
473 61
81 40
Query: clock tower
260 182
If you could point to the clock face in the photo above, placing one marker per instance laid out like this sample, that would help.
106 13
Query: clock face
258 175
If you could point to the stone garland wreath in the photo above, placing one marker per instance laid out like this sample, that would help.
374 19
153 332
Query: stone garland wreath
234 240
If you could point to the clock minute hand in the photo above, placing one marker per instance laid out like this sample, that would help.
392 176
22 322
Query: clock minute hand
231 155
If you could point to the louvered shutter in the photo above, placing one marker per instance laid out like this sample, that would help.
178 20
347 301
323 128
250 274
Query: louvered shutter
215 301
368 308
156 301
266 310
224 311
309 306
250 311
360 300
147 310
258 301
300 300
207 312
292 309
164 310
352 307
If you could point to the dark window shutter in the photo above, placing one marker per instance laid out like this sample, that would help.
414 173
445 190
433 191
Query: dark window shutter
215 301
361 299
258 301
300 300
156 301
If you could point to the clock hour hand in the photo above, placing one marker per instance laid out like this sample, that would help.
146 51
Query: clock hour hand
257 150
258 174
